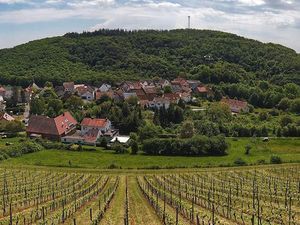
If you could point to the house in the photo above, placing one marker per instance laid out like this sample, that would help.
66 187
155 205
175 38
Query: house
180 82
127 95
85 92
6 117
129 86
51 128
99 94
186 97
172 97
236 106
151 92
159 102
2 104
2 91
88 124
60 91
193 83
105 88
121 139
91 131
162 83
203 91
69 86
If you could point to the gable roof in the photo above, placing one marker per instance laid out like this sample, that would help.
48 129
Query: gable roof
99 123
235 105
6 117
64 122
68 85
53 126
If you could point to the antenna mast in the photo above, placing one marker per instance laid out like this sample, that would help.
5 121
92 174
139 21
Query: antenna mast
189 22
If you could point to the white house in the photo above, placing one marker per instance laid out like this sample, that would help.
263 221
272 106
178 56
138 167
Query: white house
159 102
105 87
88 124
2 104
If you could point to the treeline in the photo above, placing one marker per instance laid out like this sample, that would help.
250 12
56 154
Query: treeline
113 55
195 146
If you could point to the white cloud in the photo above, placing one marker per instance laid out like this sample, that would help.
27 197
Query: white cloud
276 25
252 2
12 1
90 3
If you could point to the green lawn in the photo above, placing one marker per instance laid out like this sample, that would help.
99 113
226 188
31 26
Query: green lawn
287 148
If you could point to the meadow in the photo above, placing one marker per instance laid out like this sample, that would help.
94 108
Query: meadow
288 149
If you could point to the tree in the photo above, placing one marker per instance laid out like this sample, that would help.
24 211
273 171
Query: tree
247 149
295 105
187 129
286 120
134 147
56 105
149 130
37 106
292 90
284 104
219 112
74 103
167 89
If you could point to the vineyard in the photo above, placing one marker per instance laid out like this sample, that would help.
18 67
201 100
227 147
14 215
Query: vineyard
259 196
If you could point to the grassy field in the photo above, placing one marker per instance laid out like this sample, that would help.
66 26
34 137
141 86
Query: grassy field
288 149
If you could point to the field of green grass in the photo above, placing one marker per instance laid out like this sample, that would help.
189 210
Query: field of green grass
288 149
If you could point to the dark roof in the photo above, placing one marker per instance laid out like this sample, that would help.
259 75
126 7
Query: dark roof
52 126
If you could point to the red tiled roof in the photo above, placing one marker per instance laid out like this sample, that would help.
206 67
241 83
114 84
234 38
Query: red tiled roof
202 89
89 122
180 81
234 104
171 96
64 122
82 89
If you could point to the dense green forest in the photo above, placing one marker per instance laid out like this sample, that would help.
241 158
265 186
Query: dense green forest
113 55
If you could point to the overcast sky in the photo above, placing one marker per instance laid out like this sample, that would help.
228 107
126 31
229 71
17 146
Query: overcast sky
275 21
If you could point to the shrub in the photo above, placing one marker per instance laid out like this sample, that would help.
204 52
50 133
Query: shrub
134 147
119 148
275 159
196 146
240 162
247 149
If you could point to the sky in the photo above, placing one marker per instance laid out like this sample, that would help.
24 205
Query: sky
276 21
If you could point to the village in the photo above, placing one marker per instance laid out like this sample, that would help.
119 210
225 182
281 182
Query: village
150 94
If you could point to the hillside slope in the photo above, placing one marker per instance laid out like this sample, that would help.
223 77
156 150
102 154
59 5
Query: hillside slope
112 55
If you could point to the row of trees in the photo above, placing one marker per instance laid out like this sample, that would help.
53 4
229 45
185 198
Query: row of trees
195 146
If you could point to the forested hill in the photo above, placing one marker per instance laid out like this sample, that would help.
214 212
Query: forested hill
112 55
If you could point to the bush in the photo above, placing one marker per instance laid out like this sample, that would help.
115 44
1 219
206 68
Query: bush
196 146
134 147
275 159
119 148
240 162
